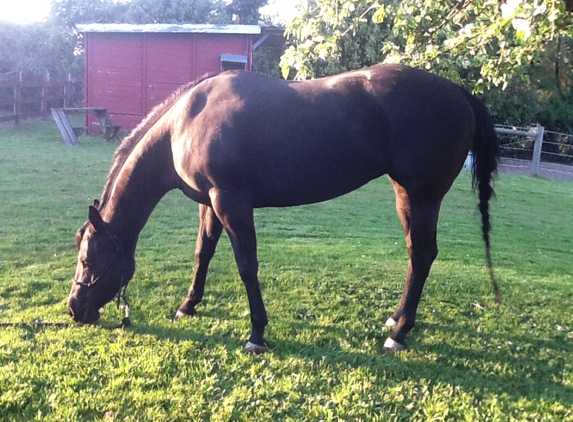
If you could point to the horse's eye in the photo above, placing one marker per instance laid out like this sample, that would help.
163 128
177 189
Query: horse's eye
85 264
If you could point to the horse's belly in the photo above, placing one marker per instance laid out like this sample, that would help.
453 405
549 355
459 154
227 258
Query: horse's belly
195 195
283 189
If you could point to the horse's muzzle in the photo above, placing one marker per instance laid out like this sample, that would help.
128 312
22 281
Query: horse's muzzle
83 314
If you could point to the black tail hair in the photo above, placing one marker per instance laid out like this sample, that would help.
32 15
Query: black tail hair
485 151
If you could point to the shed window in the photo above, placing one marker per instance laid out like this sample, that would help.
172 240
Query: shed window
233 62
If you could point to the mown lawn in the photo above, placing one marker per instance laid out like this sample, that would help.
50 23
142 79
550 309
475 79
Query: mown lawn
331 275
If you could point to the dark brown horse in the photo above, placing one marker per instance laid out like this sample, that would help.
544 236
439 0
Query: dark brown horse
238 141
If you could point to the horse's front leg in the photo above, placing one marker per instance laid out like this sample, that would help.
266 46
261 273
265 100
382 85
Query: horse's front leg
210 229
236 214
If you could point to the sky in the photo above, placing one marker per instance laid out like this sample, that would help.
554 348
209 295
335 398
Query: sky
24 11
28 11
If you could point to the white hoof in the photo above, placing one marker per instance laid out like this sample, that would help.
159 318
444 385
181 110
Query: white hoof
391 346
390 322
180 314
255 348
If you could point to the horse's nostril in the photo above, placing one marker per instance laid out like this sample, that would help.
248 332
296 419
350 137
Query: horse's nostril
75 317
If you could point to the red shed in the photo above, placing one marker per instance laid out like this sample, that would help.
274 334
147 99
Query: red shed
131 68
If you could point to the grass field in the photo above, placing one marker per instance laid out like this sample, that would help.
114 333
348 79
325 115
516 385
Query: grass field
331 274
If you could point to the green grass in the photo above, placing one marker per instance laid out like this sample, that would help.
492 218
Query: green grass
331 275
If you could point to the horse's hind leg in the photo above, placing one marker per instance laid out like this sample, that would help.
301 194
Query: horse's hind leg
210 229
236 215
419 218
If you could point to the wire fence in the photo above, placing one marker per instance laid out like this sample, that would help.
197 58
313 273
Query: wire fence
516 142
557 148
536 145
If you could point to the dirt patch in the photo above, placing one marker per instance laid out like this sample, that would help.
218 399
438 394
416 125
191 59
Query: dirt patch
551 171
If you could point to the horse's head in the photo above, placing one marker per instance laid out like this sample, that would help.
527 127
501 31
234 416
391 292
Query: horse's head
103 269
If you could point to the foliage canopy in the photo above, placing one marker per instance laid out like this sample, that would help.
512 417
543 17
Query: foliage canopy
477 43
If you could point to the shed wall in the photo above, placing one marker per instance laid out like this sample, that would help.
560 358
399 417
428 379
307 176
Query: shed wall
130 73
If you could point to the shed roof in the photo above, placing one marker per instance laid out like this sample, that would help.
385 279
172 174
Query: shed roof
170 28
234 58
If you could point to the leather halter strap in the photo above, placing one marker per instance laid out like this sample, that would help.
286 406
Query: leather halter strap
122 283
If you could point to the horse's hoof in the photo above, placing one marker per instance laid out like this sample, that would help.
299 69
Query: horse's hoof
255 349
390 322
391 346
180 314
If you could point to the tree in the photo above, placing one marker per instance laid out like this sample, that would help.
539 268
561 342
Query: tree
326 39
548 96
177 11
68 13
266 60
246 11
72 12
480 43
37 49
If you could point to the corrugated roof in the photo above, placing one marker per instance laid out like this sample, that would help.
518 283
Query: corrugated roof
170 28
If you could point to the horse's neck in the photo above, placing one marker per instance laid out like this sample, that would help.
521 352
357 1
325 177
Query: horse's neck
145 177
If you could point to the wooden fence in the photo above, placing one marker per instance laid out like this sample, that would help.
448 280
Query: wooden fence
535 144
20 99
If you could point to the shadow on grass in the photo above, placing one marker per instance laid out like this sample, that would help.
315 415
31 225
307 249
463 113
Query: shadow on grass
483 370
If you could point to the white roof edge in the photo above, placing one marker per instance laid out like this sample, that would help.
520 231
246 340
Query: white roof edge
170 28
234 58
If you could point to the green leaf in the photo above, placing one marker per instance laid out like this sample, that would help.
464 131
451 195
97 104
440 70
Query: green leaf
379 15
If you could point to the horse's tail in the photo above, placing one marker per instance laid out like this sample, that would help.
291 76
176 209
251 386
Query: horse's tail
485 151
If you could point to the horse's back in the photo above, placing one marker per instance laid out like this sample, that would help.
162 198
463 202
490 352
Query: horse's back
290 143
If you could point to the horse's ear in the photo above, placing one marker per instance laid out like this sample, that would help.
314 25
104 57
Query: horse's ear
95 218
96 203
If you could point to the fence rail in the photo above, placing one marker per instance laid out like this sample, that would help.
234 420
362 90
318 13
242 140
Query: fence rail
20 99
558 145
536 145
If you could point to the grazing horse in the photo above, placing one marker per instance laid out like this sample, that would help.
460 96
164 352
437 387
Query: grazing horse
239 141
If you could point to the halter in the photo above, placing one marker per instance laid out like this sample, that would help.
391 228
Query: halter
120 296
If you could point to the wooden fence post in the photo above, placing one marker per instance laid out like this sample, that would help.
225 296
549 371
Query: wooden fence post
536 159
67 91
45 93
17 97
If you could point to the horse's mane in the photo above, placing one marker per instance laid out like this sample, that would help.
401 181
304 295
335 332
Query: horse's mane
132 140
